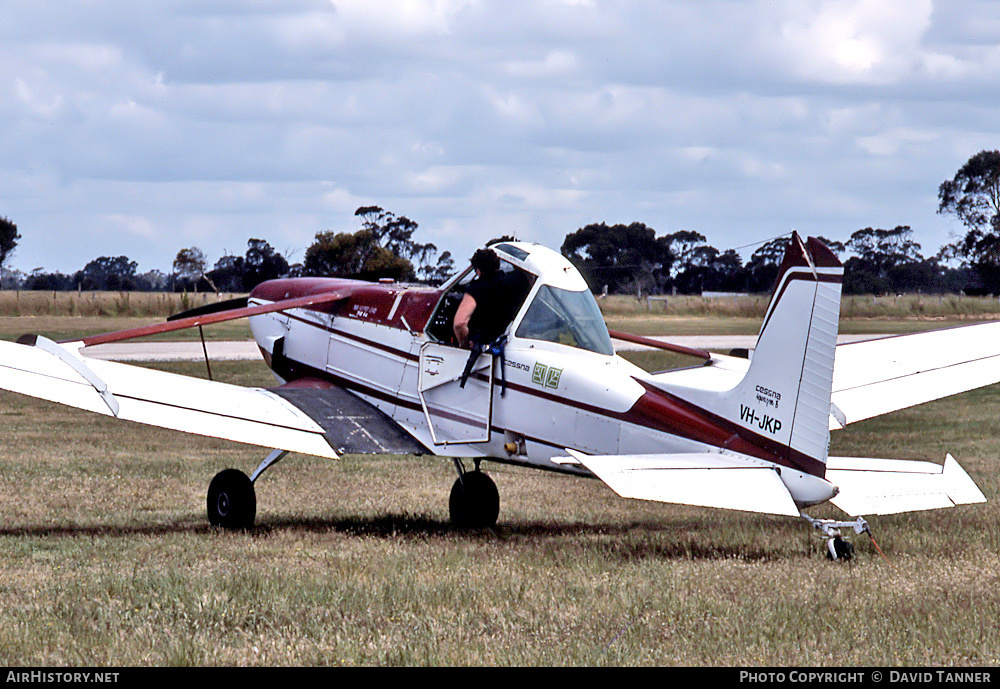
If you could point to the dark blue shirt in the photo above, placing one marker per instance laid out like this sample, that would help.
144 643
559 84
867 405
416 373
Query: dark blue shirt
498 296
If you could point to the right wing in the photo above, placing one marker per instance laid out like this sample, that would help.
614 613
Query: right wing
876 377
307 416
311 417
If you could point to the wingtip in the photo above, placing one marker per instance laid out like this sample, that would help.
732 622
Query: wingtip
962 489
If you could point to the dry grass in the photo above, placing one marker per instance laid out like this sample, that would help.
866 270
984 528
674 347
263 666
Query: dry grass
896 307
108 560
64 315
103 304
62 328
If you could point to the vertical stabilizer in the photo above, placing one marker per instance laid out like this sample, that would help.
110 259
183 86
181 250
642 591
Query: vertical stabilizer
785 395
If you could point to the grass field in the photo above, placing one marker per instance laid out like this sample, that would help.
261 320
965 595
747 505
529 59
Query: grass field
108 559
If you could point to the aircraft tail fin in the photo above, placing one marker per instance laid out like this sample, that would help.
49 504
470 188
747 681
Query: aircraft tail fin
785 395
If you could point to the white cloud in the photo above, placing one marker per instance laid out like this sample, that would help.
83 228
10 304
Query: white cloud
400 17
133 224
556 63
853 41
891 141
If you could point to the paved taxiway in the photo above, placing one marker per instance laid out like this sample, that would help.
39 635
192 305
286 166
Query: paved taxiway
247 350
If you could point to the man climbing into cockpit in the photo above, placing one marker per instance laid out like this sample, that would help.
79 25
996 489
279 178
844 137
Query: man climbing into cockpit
490 302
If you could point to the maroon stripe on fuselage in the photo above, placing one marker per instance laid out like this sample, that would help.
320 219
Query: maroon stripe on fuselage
368 302
357 338
691 421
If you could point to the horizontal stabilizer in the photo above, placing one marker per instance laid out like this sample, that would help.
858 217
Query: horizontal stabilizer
879 376
888 486
58 373
700 479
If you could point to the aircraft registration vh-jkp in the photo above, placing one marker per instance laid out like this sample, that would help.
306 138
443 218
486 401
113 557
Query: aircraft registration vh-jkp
374 368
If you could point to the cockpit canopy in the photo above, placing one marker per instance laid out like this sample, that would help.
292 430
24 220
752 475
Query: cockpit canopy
565 317
559 307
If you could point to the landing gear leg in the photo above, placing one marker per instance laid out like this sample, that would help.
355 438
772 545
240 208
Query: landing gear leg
837 547
232 500
474 502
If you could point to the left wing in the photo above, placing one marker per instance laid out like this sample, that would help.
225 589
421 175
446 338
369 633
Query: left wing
880 376
41 368
313 422
215 313
703 479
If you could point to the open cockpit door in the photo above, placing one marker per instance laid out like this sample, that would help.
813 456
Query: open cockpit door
455 413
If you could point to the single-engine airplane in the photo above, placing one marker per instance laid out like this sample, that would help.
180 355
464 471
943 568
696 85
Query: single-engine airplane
374 368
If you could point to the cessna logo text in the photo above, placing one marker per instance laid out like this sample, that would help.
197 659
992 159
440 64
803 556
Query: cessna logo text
768 397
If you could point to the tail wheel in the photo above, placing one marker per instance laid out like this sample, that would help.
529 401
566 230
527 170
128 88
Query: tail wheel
474 501
839 549
232 501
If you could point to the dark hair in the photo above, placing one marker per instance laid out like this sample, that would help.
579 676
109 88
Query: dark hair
485 260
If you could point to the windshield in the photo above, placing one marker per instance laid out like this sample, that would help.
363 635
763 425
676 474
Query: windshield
565 317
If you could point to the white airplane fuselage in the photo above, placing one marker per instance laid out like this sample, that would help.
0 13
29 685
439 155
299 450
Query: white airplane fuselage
380 343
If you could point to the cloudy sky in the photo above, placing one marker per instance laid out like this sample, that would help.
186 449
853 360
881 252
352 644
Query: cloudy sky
140 128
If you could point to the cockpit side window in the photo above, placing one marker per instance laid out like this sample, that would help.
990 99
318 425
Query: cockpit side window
519 285
566 317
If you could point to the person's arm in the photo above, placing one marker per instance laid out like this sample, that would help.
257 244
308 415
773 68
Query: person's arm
462 317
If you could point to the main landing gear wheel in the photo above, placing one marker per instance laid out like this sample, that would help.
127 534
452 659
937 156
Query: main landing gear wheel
474 501
232 501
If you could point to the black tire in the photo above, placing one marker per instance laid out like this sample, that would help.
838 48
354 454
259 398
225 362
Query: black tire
843 548
232 501
474 501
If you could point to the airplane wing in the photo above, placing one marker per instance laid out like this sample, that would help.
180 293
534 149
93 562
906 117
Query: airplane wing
702 479
308 416
311 417
59 373
879 376
888 486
